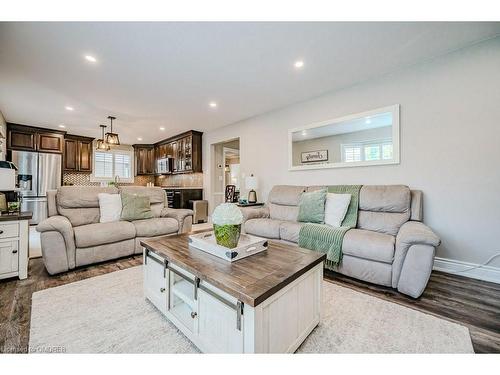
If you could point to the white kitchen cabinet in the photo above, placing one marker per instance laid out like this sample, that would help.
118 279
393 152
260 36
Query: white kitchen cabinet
14 237
9 257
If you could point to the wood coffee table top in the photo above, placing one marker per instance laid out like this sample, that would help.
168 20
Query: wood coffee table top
251 280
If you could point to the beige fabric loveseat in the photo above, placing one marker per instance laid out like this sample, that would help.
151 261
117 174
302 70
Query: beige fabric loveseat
72 236
390 245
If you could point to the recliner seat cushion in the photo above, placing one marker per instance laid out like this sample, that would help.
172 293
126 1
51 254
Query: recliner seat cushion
267 228
369 245
103 233
155 227
289 231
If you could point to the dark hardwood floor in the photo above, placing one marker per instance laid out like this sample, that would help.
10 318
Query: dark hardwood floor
473 303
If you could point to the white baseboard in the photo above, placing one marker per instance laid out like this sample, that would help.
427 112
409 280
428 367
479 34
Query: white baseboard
485 273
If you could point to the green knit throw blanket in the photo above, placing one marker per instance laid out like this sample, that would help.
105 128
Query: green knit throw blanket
326 239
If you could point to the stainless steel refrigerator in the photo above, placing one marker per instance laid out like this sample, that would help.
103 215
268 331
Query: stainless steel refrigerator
37 173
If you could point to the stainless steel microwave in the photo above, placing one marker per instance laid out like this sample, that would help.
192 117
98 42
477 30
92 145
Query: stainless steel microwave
164 165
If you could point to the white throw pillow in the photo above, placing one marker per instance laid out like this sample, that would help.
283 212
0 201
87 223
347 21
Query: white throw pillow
110 206
336 206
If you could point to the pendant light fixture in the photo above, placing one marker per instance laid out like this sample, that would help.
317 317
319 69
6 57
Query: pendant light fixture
112 138
101 143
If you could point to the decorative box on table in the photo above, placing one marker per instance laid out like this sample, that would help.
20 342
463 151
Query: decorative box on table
247 245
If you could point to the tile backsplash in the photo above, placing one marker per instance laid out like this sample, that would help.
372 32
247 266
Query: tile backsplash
180 180
83 179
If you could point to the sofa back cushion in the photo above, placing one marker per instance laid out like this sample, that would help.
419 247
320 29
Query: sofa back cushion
384 208
157 196
279 212
286 195
80 204
283 202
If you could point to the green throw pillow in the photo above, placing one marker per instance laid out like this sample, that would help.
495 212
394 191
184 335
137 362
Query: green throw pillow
312 207
135 207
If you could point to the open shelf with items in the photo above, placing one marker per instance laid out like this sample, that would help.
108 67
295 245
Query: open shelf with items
182 298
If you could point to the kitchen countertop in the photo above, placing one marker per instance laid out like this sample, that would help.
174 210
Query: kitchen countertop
27 215
182 187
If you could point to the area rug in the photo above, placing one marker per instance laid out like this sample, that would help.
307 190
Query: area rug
108 314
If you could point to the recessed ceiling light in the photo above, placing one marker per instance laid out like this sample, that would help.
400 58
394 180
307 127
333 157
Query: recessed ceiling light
368 120
139 139
69 108
299 64
162 128
212 104
62 126
90 58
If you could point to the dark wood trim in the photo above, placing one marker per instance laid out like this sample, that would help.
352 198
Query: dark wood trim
139 145
35 137
178 136
79 137
34 129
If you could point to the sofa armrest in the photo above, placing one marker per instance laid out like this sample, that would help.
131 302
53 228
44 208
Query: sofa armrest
183 216
61 225
411 233
254 213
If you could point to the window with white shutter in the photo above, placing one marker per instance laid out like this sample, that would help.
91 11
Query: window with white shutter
103 164
111 164
367 151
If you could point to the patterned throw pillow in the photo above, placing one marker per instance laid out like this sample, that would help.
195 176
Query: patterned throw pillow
312 207
135 207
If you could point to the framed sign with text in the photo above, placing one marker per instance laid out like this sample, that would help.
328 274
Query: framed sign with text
314 156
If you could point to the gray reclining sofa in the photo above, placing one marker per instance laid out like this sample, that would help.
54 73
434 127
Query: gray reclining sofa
390 245
72 235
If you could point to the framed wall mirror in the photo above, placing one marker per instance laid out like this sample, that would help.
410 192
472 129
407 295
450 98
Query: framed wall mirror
361 139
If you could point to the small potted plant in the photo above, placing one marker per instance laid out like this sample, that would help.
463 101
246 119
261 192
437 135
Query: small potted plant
227 219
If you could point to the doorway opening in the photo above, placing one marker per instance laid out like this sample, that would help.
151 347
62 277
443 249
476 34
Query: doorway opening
225 175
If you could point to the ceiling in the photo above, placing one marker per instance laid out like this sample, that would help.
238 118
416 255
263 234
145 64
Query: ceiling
152 75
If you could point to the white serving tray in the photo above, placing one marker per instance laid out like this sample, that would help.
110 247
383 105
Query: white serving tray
247 245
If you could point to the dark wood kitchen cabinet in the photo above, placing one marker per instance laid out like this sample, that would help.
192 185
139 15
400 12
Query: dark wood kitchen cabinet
50 142
77 154
30 138
185 149
144 159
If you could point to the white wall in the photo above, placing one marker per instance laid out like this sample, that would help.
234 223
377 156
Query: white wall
450 144
3 135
